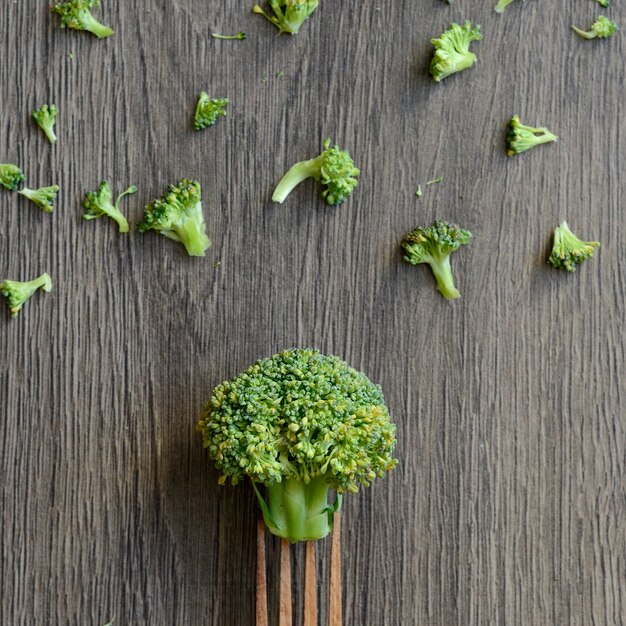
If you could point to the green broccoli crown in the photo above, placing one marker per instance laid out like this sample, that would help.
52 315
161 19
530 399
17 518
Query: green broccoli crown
17 293
45 116
178 216
334 168
98 203
208 111
11 176
603 27
300 415
521 138
289 15
502 4
568 251
434 245
76 14
43 197
452 50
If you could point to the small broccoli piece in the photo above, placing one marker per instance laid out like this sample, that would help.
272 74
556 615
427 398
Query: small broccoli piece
568 251
603 27
452 50
45 117
302 424
98 203
604 3
502 4
11 176
178 216
76 14
208 111
334 168
521 138
43 197
240 36
434 245
18 293
289 15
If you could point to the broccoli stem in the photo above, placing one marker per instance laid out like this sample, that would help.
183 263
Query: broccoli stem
445 281
190 233
298 511
295 175
91 24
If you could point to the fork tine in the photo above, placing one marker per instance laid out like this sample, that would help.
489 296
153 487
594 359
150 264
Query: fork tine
335 615
261 576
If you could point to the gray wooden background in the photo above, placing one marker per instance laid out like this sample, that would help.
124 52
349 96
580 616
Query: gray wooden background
508 505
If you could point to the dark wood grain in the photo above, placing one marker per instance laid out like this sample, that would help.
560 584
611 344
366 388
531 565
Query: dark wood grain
509 501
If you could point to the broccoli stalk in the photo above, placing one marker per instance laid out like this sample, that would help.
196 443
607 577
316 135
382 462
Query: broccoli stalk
178 216
521 138
303 425
452 50
239 36
334 168
44 197
568 251
18 293
289 15
45 116
434 245
502 4
76 14
98 203
208 110
11 176
603 27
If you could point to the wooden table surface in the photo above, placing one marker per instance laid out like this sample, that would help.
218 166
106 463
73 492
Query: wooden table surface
508 504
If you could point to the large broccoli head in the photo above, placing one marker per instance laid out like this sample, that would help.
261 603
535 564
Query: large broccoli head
301 423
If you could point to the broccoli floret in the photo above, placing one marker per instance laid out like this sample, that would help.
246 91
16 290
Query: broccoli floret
98 203
502 4
11 176
240 36
521 138
45 117
43 197
289 15
178 216
18 293
208 111
77 14
302 424
334 168
568 251
452 50
601 28
604 3
434 245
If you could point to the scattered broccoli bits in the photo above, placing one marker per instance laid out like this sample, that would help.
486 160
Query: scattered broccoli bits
178 216
17 293
208 111
98 203
76 14
502 4
43 197
603 27
452 50
434 245
568 251
45 116
334 168
302 424
240 36
521 138
11 176
289 15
